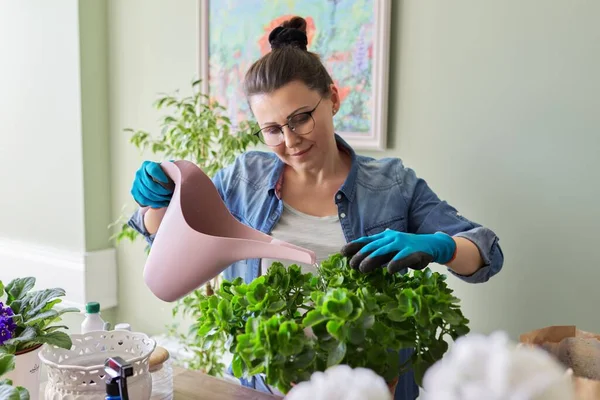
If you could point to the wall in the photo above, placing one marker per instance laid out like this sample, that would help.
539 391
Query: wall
494 103
152 50
41 124
55 208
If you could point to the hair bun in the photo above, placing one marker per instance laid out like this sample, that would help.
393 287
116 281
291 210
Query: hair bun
290 33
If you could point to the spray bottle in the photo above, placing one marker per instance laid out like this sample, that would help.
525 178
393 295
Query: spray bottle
117 371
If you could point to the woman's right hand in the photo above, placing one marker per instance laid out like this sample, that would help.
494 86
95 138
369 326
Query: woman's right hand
151 186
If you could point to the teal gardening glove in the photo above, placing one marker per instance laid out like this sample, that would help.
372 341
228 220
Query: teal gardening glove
399 250
151 186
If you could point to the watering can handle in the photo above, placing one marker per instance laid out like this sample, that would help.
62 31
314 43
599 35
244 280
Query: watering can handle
170 185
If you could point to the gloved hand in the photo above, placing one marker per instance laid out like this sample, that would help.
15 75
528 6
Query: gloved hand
151 186
399 250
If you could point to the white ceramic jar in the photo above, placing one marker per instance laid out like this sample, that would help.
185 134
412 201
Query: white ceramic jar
78 373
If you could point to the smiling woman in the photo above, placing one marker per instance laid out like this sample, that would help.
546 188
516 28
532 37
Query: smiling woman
313 190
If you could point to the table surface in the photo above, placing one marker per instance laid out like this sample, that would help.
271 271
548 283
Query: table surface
195 385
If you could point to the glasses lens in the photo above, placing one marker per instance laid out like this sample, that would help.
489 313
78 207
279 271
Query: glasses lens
302 123
271 135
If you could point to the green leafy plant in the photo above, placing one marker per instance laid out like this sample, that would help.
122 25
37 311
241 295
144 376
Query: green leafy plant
27 316
7 390
288 324
193 128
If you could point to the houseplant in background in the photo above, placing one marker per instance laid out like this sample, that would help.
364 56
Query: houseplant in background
195 129
7 390
27 319
288 325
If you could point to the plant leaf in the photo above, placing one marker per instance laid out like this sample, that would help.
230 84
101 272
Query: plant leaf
54 328
23 393
276 306
356 334
9 393
337 355
18 288
68 310
224 309
27 335
56 338
39 300
237 366
50 314
7 363
313 317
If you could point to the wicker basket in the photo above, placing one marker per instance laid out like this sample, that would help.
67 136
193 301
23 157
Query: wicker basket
78 373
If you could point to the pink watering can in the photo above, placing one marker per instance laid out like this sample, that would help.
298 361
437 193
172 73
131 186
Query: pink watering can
198 237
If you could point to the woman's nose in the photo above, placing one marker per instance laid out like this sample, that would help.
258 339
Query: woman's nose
290 137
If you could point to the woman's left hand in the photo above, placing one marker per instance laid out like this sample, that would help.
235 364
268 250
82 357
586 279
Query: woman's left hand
399 250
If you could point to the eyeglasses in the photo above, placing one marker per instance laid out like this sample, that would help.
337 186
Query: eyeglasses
301 124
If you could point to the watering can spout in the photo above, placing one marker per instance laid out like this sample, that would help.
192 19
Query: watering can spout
198 237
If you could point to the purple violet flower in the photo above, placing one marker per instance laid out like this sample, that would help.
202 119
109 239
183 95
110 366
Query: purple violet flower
7 324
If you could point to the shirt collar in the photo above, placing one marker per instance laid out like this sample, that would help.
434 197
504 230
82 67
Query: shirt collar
275 180
349 186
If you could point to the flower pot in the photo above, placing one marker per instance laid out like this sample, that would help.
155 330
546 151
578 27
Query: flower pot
392 386
78 373
27 371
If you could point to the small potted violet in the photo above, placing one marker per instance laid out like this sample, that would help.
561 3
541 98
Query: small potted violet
27 321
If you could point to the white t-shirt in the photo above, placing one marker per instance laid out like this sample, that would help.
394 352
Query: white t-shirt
323 235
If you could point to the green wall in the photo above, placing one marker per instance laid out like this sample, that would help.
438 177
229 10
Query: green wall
93 39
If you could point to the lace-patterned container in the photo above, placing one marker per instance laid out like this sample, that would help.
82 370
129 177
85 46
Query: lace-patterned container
78 373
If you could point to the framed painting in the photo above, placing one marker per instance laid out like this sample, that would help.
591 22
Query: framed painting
351 37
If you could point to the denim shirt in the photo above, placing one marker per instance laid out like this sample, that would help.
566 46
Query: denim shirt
378 194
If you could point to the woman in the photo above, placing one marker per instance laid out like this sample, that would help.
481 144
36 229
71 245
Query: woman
313 190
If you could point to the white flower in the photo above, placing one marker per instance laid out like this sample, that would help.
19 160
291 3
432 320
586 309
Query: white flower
494 368
342 382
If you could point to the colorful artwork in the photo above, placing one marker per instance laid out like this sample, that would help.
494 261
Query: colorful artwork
350 36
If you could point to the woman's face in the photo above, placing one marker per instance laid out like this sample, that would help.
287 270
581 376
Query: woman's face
310 144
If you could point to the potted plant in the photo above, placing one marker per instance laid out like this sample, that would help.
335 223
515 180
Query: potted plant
27 320
7 390
288 324
195 129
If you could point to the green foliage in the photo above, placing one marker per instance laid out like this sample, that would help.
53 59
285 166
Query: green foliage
195 129
34 316
287 324
7 390
206 356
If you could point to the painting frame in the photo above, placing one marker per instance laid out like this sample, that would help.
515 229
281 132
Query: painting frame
373 140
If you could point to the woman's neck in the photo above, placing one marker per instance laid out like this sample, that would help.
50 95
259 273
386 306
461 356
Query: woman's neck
333 168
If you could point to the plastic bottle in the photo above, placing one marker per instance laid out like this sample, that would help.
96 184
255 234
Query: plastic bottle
123 326
93 321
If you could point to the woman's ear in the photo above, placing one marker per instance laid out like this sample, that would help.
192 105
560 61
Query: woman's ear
335 99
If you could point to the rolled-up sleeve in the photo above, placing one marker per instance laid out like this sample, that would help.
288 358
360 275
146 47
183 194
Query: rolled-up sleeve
429 214
136 222
491 253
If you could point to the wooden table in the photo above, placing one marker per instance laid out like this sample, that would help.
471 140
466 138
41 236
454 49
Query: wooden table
195 385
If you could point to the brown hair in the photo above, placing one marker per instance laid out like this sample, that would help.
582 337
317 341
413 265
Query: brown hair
289 60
